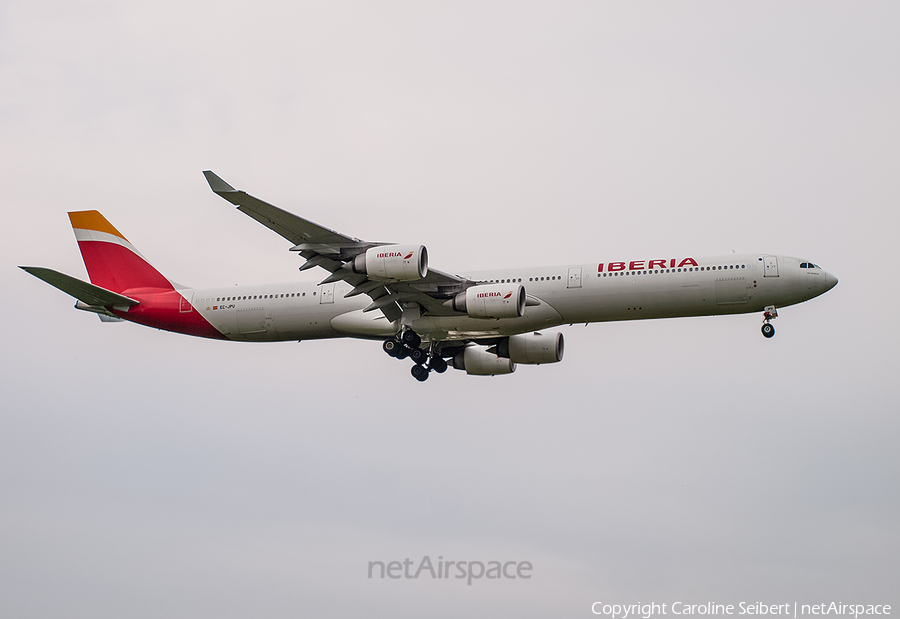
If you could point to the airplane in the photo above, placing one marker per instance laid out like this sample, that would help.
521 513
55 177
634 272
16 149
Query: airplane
482 323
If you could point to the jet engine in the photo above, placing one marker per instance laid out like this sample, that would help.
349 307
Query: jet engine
532 348
398 263
491 301
477 361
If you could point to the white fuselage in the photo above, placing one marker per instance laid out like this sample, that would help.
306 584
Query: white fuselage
599 292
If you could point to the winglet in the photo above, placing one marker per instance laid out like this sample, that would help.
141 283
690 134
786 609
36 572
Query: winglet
217 184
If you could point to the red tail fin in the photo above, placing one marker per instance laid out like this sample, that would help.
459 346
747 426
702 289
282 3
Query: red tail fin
112 261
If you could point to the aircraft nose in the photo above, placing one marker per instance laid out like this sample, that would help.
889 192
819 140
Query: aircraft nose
830 281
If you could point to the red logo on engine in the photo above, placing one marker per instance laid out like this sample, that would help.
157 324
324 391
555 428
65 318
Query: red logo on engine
408 256
508 295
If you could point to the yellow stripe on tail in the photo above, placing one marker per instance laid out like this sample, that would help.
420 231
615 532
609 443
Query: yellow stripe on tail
93 220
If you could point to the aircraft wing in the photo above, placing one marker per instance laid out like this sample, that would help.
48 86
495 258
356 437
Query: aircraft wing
334 252
297 230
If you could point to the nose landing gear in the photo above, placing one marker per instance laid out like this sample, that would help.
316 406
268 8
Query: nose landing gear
769 313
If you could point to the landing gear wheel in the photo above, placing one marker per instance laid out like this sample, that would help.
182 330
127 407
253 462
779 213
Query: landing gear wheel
410 338
402 352
391 347
418 355
768 330
438 364
420 373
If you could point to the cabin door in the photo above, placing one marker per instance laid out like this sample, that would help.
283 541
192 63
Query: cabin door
574 277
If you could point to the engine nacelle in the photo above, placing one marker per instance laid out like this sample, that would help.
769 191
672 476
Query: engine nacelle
491 301
533 348
477 361
397 263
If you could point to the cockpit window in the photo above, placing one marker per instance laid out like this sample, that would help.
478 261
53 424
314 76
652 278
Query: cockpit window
804 265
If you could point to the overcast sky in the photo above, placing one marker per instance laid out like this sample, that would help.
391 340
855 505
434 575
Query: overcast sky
147 474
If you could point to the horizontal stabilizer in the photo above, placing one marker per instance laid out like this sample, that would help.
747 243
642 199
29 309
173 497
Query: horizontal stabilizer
83 291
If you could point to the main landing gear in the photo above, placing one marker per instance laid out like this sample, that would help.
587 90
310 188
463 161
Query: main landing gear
406 344
769 313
